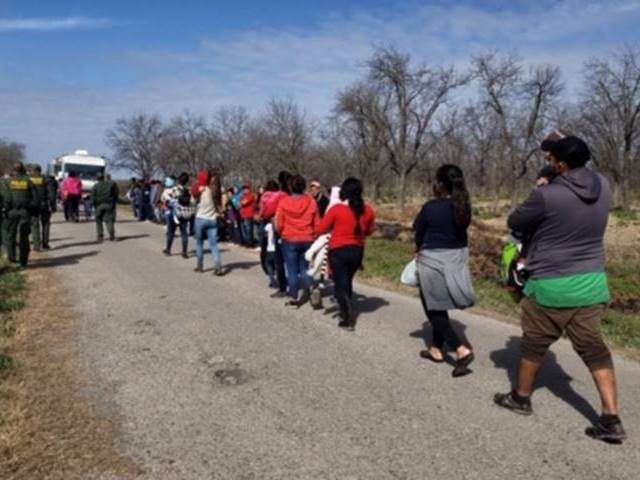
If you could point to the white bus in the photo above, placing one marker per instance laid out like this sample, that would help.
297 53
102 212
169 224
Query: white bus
84 165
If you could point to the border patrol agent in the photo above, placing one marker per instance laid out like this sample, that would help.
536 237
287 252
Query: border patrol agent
104 196
40 215
19 200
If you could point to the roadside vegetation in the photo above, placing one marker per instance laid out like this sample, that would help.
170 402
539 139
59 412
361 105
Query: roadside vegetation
12 285
392 247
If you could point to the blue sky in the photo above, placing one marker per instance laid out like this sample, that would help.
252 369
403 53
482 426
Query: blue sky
69 69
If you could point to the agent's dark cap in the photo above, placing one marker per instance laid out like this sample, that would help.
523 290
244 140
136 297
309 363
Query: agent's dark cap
551 139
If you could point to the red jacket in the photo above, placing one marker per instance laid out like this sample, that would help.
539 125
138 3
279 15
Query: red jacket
297 218
341 222
248 205
270 204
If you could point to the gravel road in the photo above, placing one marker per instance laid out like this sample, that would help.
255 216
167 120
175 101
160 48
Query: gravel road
212 379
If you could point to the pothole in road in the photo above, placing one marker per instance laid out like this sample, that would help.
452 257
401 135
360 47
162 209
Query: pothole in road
231 376
225 372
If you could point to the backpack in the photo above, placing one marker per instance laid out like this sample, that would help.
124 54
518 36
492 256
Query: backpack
512 273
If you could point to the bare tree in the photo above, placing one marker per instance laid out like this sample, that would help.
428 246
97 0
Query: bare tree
10 153
520 105
610 117
136 142
230 129
413 95
286 133
187 143
358 126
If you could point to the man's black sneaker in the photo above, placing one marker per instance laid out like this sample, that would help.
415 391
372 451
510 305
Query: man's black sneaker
46 247
347 325
608 431
520 406
166 252
184 255
278 294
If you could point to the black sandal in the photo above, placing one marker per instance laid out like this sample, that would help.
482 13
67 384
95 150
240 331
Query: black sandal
427 355
462 366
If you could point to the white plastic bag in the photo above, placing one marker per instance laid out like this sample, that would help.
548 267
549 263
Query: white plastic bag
410 274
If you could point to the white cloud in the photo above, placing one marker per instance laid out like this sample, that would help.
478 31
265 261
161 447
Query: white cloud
49 24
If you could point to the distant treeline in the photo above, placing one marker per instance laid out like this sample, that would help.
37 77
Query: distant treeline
397 123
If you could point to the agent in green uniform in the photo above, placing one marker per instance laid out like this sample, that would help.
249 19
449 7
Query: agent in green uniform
19 200
40 215
51 185
104 196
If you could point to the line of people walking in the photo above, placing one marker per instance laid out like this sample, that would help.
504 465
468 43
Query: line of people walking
306 239
565 291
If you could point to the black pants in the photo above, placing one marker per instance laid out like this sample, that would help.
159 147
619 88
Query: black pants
345 262
442 330
280 270
72 207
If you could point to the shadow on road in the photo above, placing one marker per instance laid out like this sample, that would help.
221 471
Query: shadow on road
551 376
426 335
131 237
75 244
229 267
361 304
60 239
129 220
50 262
93 242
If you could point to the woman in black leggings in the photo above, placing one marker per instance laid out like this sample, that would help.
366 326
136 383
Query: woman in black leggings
349 223
443 264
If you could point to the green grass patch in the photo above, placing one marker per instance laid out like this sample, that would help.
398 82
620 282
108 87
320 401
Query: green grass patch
385 259
493 296
626 216
622 329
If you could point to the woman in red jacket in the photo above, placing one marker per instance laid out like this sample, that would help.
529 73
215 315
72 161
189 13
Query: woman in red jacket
349 224
248 210
296 221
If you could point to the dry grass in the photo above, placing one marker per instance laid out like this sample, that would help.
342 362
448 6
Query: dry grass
49 428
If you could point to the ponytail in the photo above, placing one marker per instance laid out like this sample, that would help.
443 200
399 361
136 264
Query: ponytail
351 191
451 179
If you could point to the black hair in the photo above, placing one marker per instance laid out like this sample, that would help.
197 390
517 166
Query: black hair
271 186
297 184
72 174
183 178
451 179
19 169
284 178
571 150
351 191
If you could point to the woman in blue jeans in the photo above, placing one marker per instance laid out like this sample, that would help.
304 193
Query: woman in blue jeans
297 220
172 220
210 206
